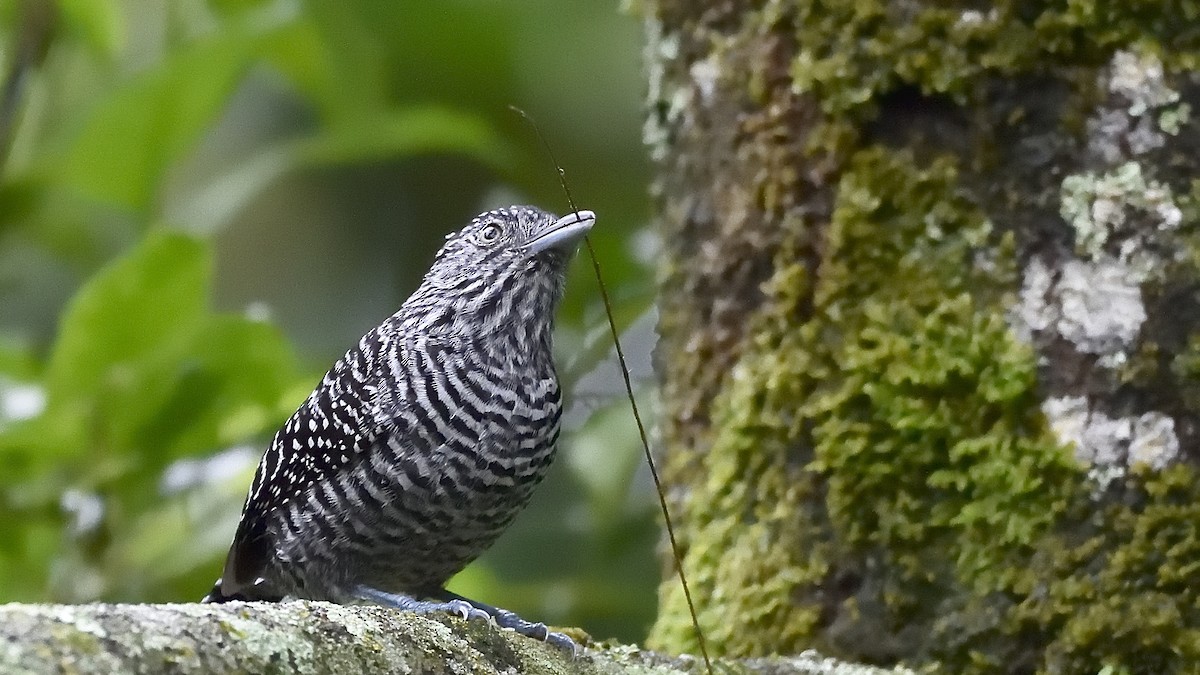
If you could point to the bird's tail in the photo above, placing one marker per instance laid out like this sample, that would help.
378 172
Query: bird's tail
217 595
256 594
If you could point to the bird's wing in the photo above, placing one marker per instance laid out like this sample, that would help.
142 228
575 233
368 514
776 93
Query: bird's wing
328 432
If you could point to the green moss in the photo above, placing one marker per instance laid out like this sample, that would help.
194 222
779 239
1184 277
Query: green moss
851 50
749 554
940 473
1125 595
918 426
1186 364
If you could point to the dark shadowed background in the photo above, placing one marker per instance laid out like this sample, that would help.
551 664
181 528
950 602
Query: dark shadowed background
203 204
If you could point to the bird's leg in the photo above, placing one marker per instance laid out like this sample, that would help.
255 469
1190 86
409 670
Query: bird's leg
408 603
507 619
467 609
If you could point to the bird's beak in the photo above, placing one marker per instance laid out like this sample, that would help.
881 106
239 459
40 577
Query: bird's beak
564 233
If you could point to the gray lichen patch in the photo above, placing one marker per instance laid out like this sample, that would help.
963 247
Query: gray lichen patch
1123 215
1154 443
1097 306
1142 112
1126 228
1111 446
1139 78
1130 235
704 77
668 97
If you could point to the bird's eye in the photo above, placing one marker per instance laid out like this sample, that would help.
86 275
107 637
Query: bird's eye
490 232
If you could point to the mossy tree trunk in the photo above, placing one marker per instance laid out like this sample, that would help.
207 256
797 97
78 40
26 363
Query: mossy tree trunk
930 305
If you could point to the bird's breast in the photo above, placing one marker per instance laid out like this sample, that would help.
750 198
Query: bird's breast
476 419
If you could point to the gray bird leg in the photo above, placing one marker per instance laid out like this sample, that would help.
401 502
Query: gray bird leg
507 619
407 603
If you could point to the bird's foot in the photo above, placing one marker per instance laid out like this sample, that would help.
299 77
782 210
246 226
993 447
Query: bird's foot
507 619
456 606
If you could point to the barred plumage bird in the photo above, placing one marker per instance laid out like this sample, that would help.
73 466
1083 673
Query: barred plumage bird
425 440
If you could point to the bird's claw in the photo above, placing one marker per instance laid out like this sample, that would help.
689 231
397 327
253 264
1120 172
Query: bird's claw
536 630
470 611
506 619
467 611
562 641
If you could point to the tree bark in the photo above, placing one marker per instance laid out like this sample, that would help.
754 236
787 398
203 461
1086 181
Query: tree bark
311 637
929 346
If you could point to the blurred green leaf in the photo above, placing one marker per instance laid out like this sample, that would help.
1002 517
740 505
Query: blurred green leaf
413 130
298 52
137 307
134 135
226 386
596 348
334 64
235 6
384 135
174 539
601 461
98 21
16 360
455 52
25 546
31 450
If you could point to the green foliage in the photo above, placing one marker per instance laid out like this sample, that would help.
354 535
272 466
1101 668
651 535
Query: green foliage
133 135
142 374
158 145
99 21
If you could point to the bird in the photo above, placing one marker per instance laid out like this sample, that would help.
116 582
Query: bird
424 441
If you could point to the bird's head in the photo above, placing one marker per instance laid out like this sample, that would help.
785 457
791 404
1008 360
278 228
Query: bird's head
507 263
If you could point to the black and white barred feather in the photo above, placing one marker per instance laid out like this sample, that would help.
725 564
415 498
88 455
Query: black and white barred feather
420 445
